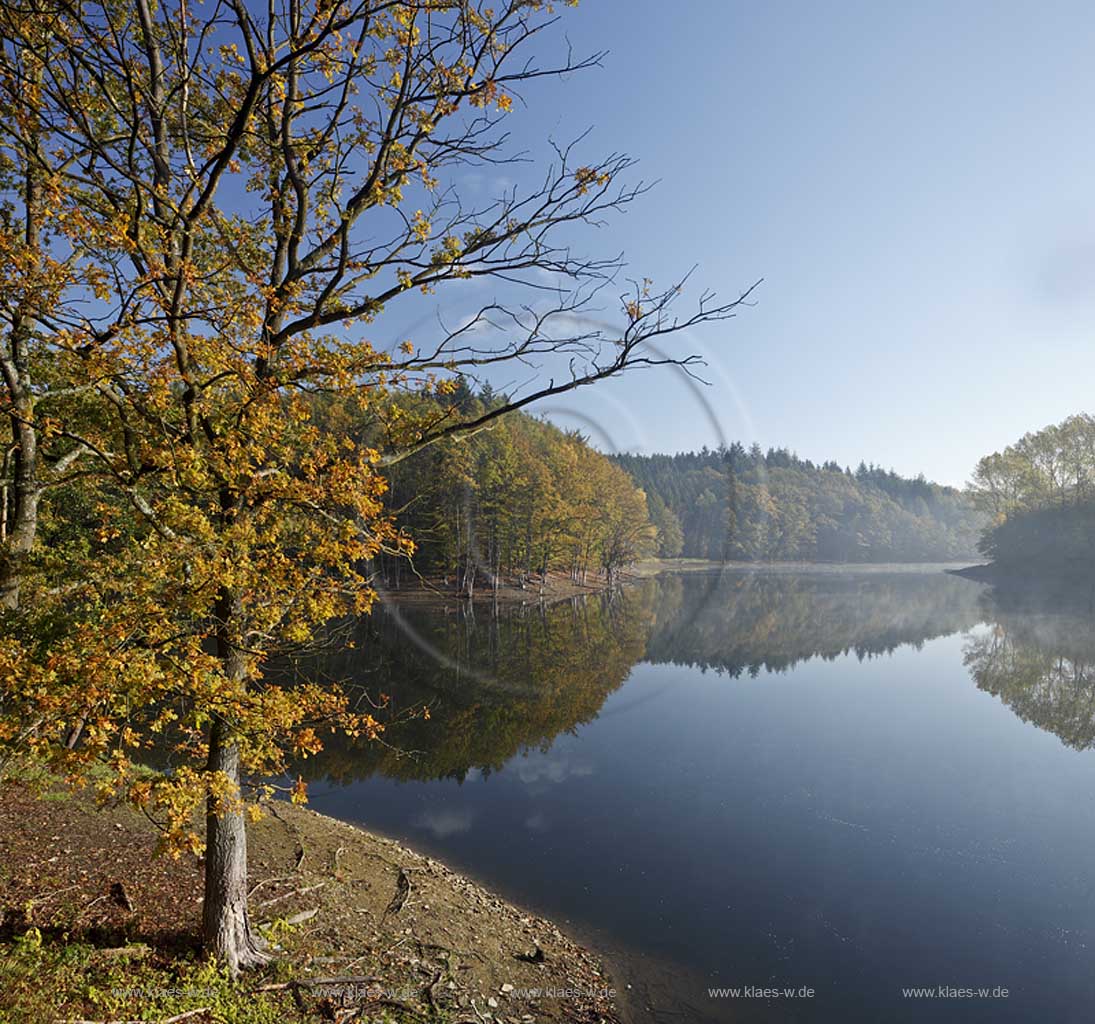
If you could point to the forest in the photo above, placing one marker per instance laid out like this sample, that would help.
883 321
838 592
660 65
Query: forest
514 502
525 498
1040 496
734 503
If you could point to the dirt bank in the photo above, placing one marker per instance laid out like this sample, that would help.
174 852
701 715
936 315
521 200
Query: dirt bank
402 937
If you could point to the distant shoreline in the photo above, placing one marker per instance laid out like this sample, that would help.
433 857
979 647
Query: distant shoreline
655 567
431 591
1017 584
1018 576
985 573
426 591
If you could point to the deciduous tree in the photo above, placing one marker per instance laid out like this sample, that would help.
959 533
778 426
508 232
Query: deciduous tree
236 195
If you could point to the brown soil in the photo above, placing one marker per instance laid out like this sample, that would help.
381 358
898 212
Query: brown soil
343 903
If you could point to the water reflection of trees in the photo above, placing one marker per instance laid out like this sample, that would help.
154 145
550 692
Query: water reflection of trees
495 685
501 684
747 623
1041 664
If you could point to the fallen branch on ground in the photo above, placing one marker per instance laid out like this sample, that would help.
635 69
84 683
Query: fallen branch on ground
292 892
164 1020
349 979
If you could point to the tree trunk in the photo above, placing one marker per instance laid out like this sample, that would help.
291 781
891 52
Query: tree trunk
26 494
15 369
74 734
226 927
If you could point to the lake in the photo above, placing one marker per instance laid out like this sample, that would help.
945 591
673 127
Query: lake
858 784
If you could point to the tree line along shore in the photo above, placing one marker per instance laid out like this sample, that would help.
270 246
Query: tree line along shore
527 509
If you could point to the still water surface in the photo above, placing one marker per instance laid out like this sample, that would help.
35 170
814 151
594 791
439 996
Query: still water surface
855 783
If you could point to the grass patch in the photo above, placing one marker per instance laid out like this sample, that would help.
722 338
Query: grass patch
43 980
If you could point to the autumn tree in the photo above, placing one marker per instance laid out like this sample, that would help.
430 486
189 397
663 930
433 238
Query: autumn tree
1053 466
520 499
236 196
1038 492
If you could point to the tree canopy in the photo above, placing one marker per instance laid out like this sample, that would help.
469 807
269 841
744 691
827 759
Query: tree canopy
1040 495
205 217
516 502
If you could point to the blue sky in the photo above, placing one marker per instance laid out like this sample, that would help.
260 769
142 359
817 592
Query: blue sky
914 182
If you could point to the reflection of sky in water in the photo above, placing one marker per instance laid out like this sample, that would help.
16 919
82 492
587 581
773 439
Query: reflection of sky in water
554 766
444 822
449 814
